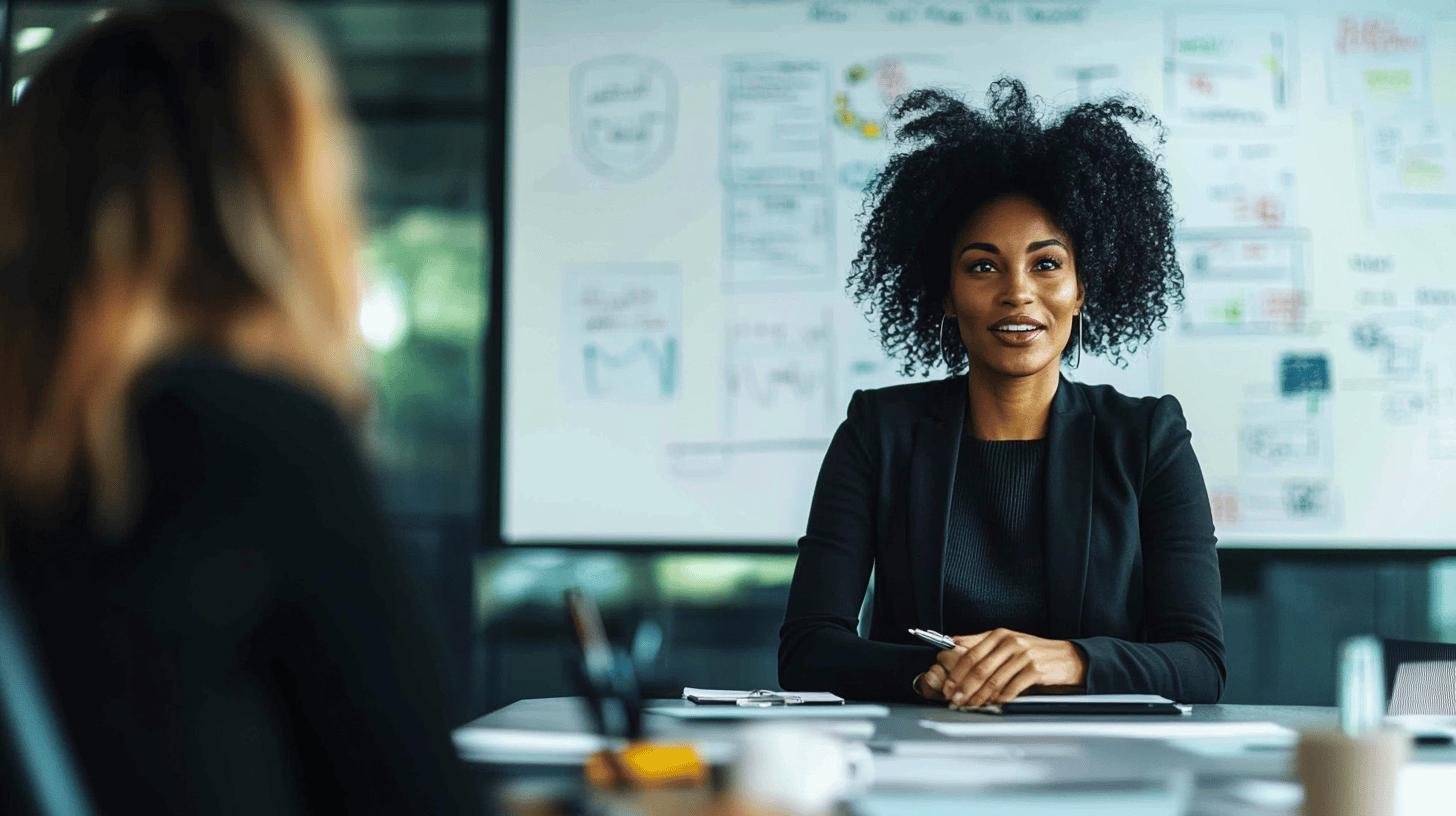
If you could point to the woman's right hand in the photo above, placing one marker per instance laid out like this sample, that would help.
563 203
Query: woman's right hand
929 684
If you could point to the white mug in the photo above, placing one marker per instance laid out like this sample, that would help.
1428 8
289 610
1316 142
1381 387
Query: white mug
798 769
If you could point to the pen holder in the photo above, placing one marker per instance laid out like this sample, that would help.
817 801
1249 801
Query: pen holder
645 765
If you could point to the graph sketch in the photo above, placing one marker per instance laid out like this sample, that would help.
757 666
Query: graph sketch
778 374
622 332
623 115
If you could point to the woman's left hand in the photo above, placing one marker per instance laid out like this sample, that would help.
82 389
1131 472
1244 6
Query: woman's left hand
997 666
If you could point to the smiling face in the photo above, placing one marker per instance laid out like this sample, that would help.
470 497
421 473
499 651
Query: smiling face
1013 288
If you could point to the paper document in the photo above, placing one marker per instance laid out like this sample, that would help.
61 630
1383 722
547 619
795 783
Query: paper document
951 772
778 712
1161 730
731 696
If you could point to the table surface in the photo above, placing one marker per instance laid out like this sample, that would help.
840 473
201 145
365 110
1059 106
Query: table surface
534 736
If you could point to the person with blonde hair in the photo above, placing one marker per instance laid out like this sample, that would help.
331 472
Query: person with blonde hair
183 504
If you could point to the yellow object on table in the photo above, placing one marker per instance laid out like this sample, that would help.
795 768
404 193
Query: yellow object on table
647 765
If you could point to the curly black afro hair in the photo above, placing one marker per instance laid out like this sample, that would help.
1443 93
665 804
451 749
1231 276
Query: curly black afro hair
1102 187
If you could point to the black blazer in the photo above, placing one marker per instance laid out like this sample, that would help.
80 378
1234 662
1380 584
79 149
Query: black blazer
1131 572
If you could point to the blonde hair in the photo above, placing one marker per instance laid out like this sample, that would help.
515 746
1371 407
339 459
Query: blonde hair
173 178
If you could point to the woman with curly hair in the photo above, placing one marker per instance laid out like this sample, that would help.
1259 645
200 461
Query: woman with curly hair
1060 532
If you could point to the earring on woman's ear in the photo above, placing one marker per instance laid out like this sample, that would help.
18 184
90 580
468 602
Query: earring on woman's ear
1080 318
949 364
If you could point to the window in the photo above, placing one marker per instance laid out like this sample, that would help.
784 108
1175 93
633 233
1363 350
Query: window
415 77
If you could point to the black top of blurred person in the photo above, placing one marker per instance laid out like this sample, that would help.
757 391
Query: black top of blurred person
253 645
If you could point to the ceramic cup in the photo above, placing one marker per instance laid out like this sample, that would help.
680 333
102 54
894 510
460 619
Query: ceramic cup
1350 776
798 769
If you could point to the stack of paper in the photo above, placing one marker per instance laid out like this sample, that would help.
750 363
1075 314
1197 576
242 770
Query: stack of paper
731 696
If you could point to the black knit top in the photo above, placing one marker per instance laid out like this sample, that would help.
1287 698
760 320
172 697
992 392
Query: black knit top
995 565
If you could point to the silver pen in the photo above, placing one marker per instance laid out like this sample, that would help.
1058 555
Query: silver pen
934 638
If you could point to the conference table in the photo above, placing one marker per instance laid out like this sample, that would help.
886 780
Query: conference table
1229 766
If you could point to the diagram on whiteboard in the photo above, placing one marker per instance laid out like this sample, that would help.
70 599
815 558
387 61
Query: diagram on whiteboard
1411 162
623 115
775 122
1378 63
1226 183
685 202
1287 458
1406 355
1246 282
622 332
1228 67
864 91
776 237
778 377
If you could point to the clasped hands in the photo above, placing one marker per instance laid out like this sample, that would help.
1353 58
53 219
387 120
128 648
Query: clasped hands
997 666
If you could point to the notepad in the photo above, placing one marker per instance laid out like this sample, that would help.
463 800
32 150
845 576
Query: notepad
731 696
1164 730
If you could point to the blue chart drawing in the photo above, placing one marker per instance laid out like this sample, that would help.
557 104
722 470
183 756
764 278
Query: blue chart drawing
621 328
643 368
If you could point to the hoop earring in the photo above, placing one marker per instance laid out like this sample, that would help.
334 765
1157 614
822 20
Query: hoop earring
1080 319
950 365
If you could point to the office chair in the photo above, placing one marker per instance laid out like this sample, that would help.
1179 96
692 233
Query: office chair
37 774
1427 688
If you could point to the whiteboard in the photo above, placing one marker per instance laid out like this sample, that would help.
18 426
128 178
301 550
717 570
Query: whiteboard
684 181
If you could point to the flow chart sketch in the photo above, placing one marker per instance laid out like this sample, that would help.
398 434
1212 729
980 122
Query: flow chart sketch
1411 168
1407 357
1287 458
777 237
1244 282
1271 505
1288 436
1235 183
775 122
1229 67
1395 341
1378 63
778 374
622 332
623 115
